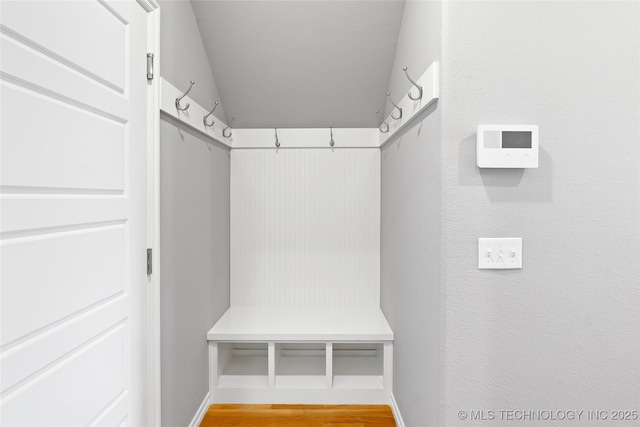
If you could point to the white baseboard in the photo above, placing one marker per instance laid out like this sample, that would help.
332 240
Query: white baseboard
396 412
197 418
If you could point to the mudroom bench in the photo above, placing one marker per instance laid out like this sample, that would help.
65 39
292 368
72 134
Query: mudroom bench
301 355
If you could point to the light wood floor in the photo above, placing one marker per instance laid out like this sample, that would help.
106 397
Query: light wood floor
298 415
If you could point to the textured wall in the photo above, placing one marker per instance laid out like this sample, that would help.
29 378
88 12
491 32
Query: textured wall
562 333
183 57
194 221
411 230
305 227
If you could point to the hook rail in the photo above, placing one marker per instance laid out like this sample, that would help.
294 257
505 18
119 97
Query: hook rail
427 86
194 118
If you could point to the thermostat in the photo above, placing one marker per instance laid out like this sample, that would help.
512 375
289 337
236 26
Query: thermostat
507 146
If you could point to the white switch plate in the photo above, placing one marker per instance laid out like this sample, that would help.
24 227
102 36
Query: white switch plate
500 253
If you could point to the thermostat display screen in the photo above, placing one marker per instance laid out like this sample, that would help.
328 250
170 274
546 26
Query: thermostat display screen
507 146
513 139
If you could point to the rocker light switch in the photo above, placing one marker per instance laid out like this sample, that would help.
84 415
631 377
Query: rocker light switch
500 254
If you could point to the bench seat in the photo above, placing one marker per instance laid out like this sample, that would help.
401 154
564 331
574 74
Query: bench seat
301 324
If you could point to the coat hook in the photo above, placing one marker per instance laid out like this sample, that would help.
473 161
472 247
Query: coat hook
394 104
380 128
277 142
186 107
415 84
204 119
224 131
332 142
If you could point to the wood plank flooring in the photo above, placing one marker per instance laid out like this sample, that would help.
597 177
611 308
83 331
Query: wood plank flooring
227 415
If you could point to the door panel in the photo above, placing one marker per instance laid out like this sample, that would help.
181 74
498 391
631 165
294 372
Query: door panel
27 65
73 204
98 143
93 277
90 37
93 377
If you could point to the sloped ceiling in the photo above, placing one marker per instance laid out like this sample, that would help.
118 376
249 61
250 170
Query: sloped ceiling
301 64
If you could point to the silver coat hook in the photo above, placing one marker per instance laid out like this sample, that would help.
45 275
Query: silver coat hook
204 119
224 131
277 142
332 142
415 84
383 129
186 107
395 105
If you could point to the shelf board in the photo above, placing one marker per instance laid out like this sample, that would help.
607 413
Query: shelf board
243 381
301 381
358 382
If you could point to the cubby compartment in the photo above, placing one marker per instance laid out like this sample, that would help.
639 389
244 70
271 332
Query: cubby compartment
358 366
300 365
243 365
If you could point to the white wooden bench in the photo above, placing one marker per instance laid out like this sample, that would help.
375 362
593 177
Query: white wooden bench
301 355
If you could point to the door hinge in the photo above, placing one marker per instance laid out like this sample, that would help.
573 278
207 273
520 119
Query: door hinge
149 66
149 261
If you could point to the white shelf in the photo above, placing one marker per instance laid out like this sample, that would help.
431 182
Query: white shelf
301 381
358 381
243 381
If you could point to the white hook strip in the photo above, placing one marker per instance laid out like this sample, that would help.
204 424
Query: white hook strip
430 83
193 116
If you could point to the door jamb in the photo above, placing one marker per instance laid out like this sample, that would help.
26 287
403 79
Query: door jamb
153 216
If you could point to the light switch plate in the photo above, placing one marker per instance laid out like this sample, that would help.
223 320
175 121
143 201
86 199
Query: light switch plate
500 253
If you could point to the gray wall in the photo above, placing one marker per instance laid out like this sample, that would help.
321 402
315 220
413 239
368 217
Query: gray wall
194 221
183 57
411 229
563 331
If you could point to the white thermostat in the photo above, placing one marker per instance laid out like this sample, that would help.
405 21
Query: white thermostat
507 146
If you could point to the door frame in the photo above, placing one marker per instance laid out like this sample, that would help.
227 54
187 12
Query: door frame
153 216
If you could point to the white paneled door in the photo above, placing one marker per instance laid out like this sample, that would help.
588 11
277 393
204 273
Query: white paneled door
73 204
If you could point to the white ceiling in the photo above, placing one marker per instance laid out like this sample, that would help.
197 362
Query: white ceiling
301 64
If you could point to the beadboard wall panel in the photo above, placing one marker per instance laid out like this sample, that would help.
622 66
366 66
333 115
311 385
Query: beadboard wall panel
305 227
